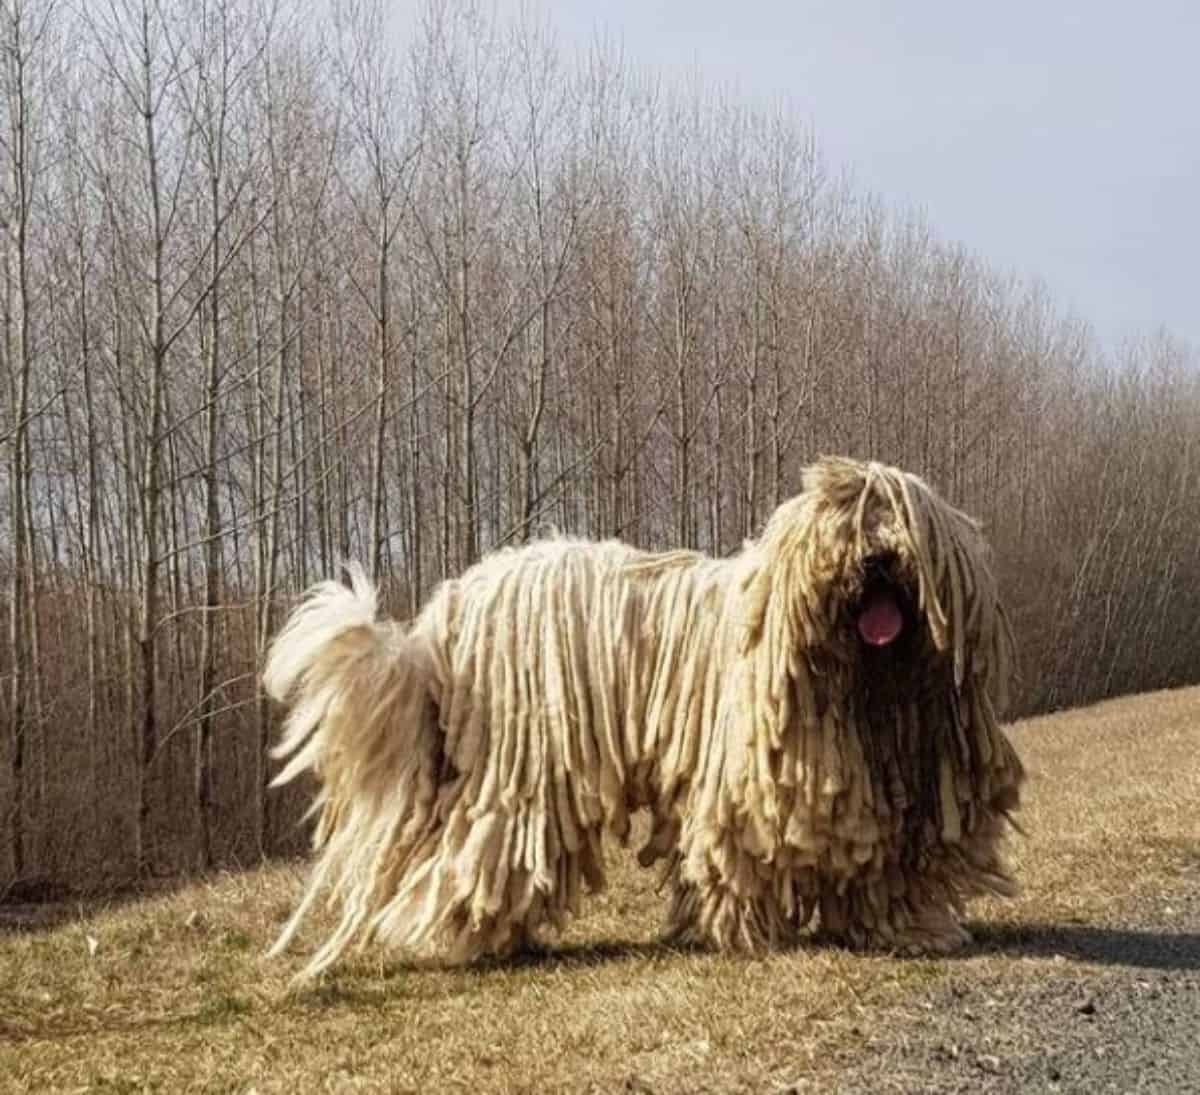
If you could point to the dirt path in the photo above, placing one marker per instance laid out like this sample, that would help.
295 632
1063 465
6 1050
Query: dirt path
1113 1007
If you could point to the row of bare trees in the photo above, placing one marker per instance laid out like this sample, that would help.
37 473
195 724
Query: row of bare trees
279 292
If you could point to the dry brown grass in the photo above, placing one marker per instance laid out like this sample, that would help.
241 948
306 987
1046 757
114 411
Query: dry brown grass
176 996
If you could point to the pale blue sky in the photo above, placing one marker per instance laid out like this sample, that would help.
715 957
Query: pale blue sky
1058 138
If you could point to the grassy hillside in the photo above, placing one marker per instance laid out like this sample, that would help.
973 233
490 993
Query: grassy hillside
171 993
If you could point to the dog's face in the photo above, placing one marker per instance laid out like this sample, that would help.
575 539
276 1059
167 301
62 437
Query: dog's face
870 569
875 615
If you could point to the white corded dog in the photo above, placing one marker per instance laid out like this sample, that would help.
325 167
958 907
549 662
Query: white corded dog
811 725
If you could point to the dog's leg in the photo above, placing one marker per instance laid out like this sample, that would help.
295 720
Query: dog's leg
735 910
487 884
905 916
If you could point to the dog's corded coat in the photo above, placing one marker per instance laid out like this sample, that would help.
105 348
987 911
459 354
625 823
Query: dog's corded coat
469 764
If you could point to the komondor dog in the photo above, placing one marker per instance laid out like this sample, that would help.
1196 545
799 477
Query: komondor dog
811 724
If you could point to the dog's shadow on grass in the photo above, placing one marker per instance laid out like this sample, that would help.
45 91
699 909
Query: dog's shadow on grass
1081 942
600 953
1076 942
1147 949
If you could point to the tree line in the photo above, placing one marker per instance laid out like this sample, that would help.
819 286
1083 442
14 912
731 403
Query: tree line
281 290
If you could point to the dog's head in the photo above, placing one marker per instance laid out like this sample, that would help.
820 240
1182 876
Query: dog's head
870 568
873 638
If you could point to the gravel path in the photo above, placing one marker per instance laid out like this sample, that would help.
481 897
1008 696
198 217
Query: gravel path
1075 1008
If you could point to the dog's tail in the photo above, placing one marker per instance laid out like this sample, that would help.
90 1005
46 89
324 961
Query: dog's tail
361 719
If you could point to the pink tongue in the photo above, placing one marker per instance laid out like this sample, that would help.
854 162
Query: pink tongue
880 620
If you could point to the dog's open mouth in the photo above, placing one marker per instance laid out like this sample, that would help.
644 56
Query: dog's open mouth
879 615
880 618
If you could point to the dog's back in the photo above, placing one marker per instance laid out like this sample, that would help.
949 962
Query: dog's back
469 764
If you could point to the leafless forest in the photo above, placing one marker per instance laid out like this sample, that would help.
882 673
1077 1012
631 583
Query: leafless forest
279 291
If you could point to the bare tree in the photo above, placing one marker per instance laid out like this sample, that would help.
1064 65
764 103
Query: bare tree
384 155
23 54
133 39
557 184
217 58
463 73
301 142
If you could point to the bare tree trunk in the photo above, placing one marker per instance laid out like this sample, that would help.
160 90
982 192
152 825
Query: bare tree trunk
416 518
384 350
152 471
202 756
447 560
17 56
218 58
18 647
266 554
469 542
92 569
